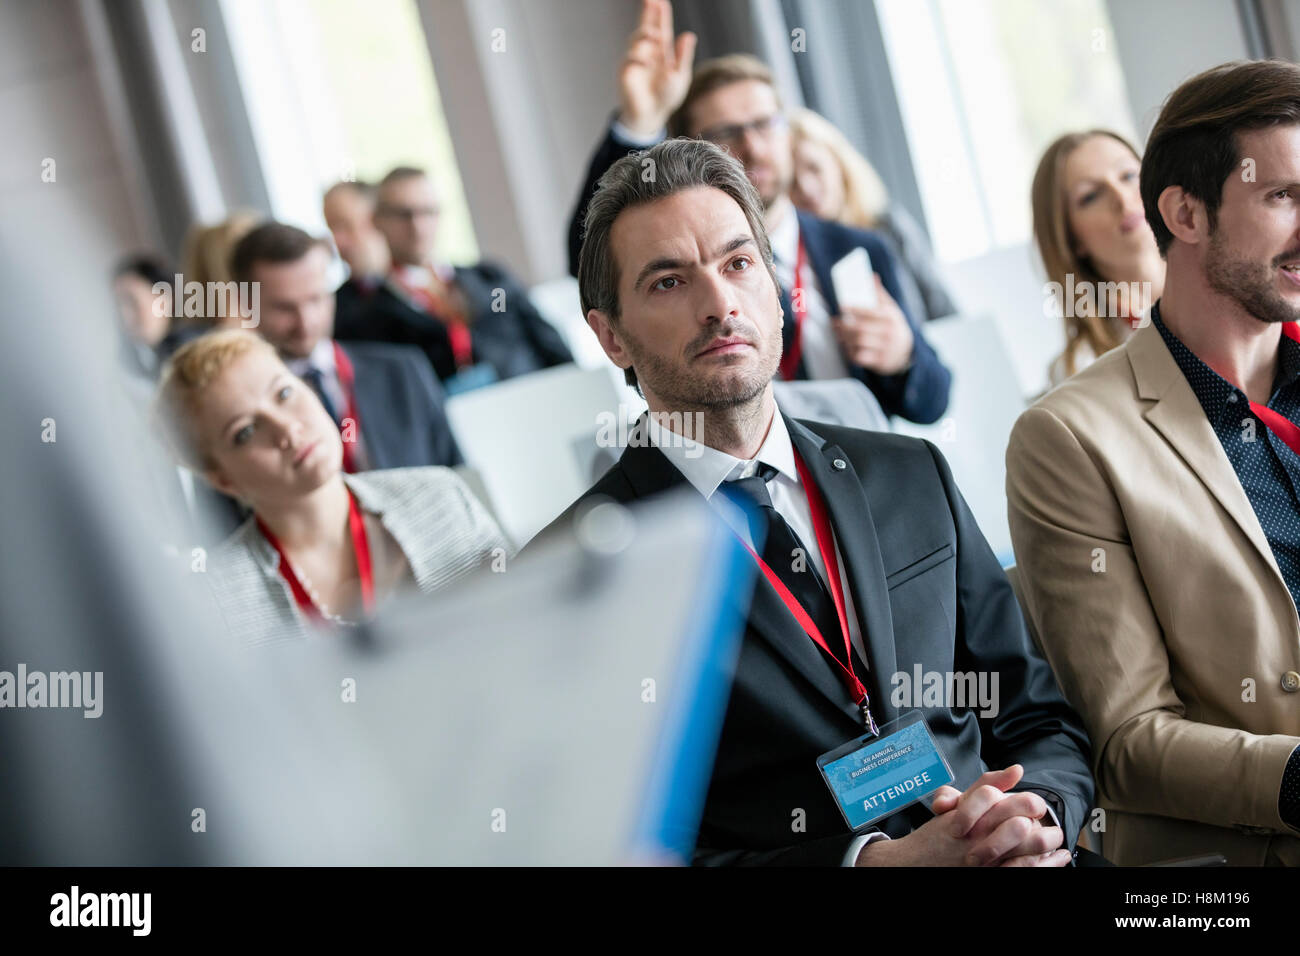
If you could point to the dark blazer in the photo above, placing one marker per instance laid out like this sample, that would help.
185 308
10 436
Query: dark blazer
400 404
351 300
920 393
508 332
928 591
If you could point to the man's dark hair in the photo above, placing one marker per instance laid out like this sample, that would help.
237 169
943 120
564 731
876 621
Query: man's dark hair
641 178
1194 142
273 242
144 266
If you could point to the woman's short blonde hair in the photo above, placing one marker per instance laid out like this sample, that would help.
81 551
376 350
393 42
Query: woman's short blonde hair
186 376
865 197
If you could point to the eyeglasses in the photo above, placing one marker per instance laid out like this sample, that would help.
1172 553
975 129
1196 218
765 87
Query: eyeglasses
733 133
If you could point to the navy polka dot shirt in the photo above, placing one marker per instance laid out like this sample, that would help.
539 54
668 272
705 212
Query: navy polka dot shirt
1269 472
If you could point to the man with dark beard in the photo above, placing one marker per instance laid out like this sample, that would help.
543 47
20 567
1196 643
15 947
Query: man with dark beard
1153 498
872 566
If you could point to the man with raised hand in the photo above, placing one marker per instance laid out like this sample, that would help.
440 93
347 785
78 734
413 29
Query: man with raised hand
733 102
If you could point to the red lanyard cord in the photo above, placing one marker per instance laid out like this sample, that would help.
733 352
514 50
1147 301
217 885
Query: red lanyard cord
826 545
347 379
799 305
1277 423
458 333
360 546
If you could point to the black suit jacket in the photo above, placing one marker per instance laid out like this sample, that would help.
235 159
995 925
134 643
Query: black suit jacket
508 332
400 404
927 590
920 393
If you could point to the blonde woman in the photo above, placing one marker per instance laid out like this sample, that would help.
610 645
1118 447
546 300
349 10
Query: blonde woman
323 548
834 181
1097 249
206 259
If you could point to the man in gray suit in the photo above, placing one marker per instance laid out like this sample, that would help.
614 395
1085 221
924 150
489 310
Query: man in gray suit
384 397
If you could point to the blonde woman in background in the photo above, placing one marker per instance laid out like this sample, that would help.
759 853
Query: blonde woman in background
205 258
1091 229
834 181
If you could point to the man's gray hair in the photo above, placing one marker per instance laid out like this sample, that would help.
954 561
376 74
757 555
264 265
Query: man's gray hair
646 177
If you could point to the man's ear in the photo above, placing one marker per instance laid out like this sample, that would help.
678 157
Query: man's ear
1184 215
609 339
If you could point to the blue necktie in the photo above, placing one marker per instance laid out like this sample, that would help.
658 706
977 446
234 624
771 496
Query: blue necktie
316 379
781 546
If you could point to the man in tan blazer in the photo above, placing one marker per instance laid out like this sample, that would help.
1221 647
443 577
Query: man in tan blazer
1153 498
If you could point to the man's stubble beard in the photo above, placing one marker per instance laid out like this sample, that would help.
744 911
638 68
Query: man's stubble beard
1246 282
679 389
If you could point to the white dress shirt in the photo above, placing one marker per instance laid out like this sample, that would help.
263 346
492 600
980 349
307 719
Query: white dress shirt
821 353
710 468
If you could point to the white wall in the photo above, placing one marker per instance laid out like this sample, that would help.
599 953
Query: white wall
524 121
1163 42
1160 43
51 107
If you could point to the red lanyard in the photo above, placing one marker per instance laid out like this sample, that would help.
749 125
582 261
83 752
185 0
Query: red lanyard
798 305
1279 424
458 334
347 379
826 545
361 547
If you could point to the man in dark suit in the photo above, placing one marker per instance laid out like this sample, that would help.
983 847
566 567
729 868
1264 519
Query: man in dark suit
677 284
475 323
349 208
733 102
384 398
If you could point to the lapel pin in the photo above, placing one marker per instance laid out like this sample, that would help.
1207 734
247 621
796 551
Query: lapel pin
840 464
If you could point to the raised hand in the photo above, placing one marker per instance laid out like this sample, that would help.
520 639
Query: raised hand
656 71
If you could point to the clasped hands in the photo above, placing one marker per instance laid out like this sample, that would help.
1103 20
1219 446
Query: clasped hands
984 826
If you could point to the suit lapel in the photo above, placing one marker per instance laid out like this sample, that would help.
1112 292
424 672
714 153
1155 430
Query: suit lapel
1178 416
644 465
855 533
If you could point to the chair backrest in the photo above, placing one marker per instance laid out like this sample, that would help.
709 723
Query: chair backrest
984 405
841 401
520 435
560 305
